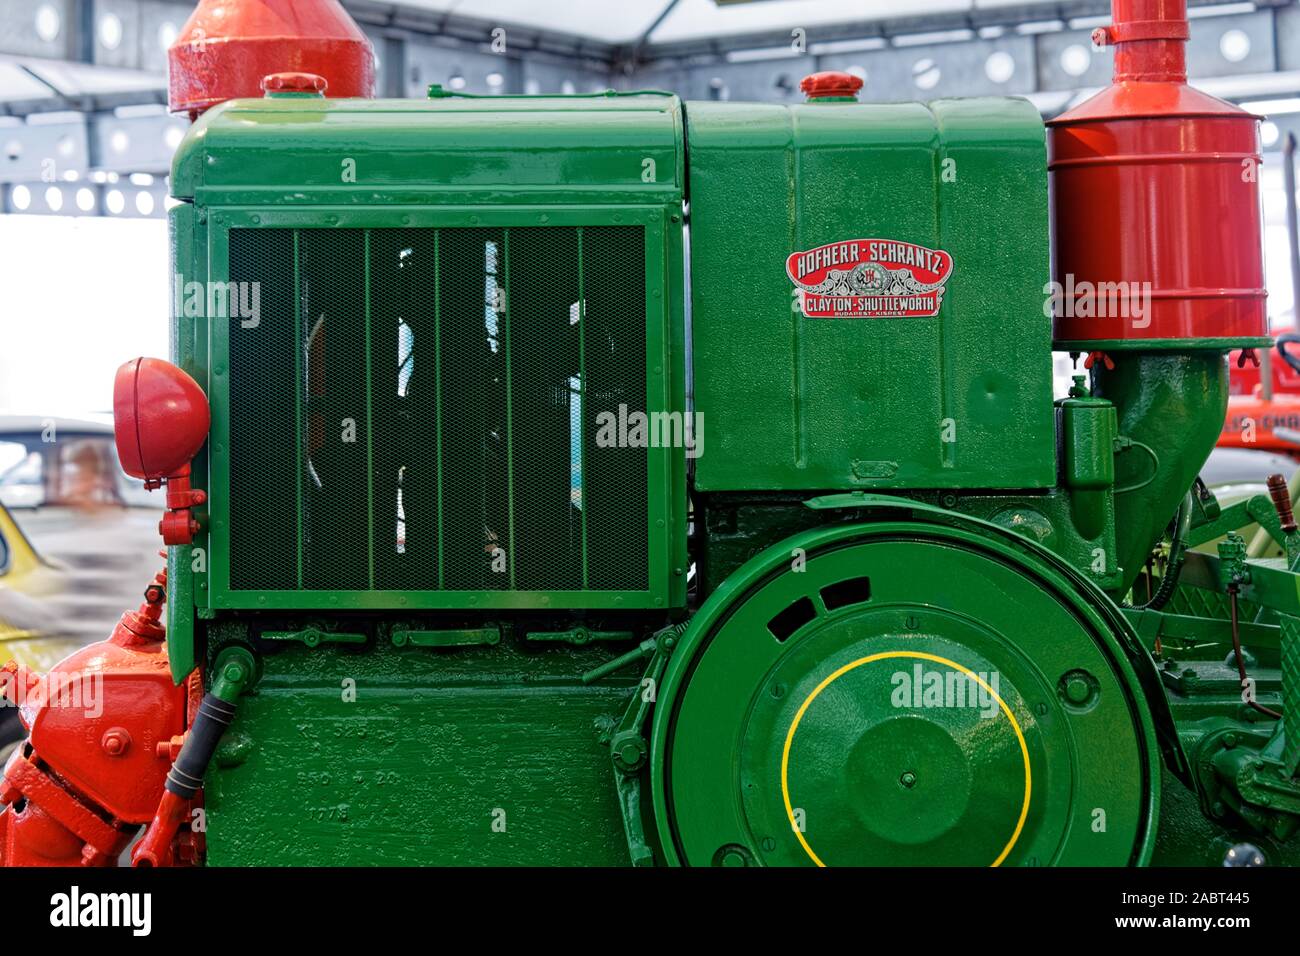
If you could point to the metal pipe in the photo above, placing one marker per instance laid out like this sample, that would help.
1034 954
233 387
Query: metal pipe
1292 219
1173 403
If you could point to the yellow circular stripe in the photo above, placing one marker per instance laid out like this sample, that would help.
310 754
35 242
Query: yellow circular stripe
789 739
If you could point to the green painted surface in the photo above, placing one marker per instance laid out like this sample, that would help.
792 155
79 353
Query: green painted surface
411 709
959 400
470 757
432 485
871 780
1171 408
456 150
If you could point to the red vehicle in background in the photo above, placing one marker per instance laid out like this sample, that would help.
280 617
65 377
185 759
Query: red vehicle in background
1264 389
1264 399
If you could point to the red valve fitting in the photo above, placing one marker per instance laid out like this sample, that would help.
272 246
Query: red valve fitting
80 787
1095 357
295 83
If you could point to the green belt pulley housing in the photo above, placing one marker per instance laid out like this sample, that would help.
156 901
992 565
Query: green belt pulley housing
920 690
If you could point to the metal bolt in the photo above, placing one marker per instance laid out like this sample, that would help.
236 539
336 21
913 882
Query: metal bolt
629 754
1244 854
733 857
908 779
116 741
1077 689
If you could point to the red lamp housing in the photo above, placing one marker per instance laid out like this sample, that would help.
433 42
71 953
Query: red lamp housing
160 421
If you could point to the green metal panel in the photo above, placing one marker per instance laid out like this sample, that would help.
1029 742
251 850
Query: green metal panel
472 756
490 443
820 404
187 564
462 151
464 280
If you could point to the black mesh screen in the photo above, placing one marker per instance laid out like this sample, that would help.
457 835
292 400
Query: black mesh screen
418 409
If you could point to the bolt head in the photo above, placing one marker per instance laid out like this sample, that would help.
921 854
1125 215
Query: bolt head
116 741
1077 690
1244 854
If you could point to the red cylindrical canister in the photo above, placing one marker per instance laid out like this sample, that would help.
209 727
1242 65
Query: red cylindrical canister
1155 202
227 47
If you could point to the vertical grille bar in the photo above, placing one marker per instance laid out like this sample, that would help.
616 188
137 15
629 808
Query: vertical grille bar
336 504
582 404
475 519
544 304
263 513
617 473
510 452
370 439
299 336
440 556
406 408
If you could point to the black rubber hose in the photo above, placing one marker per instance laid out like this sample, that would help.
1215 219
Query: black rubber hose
1289 338
1169 581
186 775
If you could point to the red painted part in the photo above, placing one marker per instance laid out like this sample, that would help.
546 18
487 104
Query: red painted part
295 83
90 773
157 846
1154 182
1244 381
1251 419
160 418
160 421
227 47
831 84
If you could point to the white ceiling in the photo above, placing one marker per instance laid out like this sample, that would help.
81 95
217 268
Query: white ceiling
618 21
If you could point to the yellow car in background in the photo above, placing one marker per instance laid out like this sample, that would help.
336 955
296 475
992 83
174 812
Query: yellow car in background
29 631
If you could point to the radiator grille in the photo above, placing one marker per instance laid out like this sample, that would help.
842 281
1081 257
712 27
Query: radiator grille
417 410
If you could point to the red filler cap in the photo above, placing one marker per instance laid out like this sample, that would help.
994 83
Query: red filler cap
831 85
295 83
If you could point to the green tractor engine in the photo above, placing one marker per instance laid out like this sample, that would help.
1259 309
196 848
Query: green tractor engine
609 479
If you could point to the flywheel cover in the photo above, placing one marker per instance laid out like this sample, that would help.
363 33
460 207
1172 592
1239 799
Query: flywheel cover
903 693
